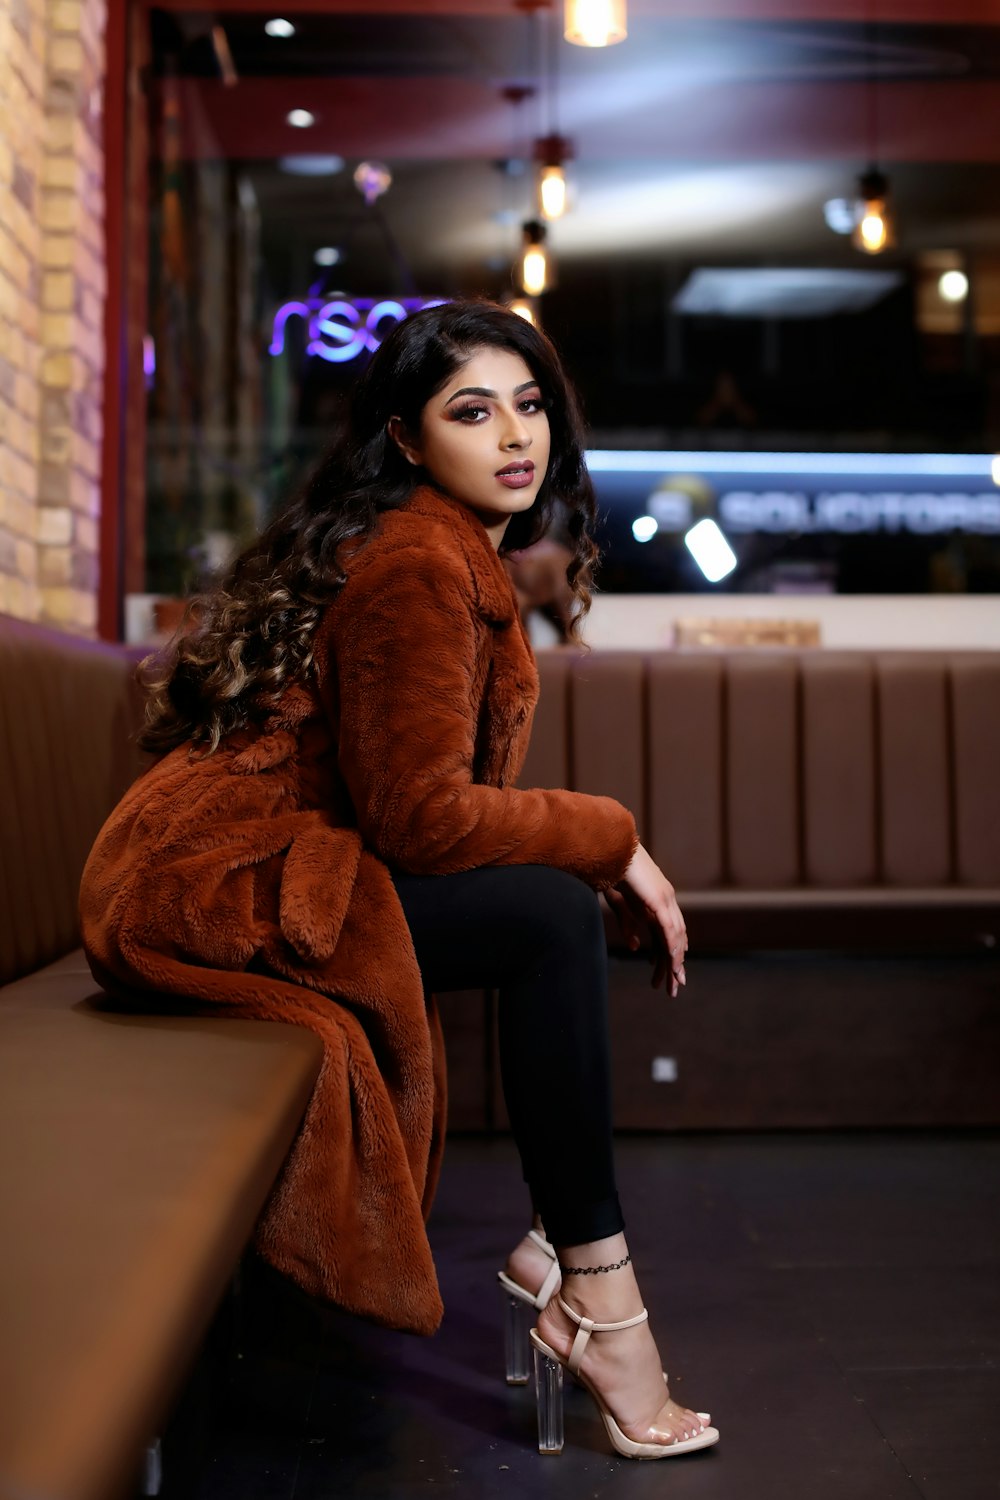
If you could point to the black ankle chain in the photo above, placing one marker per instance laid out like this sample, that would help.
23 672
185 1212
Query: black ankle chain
592 1270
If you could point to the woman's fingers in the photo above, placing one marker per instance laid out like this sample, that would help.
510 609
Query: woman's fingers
673 935
630 928
651 898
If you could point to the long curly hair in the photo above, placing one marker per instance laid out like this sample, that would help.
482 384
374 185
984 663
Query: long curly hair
247 638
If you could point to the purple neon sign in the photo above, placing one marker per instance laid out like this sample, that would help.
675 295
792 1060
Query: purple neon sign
340 330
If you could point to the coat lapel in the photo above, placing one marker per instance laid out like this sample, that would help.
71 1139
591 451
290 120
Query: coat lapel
511 686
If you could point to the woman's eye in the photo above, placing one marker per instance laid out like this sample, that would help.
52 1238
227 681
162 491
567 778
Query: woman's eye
531 403
471 412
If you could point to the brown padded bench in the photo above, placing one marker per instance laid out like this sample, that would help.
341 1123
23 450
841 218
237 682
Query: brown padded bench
136 1152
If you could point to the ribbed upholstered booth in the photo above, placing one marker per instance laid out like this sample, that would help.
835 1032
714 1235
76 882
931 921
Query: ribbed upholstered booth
831 821
135 1152
788 792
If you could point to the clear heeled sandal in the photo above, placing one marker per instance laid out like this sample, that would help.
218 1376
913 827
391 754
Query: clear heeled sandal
520 1305
549 1368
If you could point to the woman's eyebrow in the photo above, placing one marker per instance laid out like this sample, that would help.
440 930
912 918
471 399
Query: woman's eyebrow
481 390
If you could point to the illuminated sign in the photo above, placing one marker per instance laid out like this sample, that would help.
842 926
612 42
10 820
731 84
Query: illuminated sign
339 330
852 511
797 494
847 512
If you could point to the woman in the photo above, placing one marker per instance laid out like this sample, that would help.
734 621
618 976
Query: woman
332 820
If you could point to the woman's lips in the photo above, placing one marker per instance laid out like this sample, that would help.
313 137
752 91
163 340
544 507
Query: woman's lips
517 479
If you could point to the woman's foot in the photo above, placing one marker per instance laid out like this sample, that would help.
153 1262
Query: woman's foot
623 1367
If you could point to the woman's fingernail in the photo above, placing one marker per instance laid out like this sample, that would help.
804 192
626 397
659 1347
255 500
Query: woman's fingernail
633 943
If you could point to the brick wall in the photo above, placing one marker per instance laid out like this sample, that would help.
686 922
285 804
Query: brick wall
52 287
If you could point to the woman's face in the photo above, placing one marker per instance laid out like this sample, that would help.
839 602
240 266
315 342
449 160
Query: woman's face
484 437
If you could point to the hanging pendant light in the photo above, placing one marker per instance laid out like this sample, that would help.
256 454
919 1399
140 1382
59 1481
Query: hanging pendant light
873 225
551 154
525 308
595 23
533 270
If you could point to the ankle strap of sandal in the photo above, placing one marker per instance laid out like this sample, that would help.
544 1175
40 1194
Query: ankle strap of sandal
586 1326
552 1277
542 1243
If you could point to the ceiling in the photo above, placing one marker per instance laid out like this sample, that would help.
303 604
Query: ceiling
716 131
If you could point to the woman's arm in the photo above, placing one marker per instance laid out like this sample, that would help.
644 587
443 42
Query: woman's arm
396 658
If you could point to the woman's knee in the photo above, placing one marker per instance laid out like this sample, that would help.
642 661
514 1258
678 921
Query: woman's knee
561 909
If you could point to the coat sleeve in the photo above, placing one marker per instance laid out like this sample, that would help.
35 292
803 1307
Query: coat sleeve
396 670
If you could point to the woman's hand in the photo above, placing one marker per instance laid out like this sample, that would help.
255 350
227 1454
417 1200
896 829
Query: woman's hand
645 898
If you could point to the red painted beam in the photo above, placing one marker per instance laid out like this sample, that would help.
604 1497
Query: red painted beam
109 603
947 120
888 12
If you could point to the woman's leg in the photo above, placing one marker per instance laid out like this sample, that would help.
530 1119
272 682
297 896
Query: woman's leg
537 936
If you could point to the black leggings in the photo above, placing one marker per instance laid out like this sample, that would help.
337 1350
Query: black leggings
536 935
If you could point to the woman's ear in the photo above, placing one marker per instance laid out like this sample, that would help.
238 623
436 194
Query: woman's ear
401 437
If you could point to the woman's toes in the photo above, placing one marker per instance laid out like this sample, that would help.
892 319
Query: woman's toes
689 1424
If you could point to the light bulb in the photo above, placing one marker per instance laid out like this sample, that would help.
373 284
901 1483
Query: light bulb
533 270
301 118
552 192
953 286
873 231
595 23
524 309
873 226
279 27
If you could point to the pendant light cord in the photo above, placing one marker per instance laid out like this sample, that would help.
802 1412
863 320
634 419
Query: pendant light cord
870 47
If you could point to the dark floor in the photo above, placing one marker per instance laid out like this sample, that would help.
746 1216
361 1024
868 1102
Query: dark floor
832 1299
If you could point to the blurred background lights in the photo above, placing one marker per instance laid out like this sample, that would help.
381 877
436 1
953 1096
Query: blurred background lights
873 231
644 528
327 255
873 234
300 118
311 165
524 309
552 192
372 179
710 550
533 268
839 215
279 27
595 23
995 469
954 286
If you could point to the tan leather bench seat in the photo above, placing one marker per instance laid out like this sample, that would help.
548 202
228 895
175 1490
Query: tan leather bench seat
135 1155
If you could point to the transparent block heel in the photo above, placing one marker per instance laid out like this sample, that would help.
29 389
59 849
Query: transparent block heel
549 1399
517 1320
520 1307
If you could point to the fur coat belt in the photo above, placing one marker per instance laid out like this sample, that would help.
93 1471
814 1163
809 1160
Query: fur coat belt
257 882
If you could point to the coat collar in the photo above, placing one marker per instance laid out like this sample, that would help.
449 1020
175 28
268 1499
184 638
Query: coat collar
495 597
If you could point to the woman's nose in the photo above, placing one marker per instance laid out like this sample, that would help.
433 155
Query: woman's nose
516 434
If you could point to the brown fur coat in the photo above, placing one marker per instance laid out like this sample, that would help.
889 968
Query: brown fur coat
257 879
